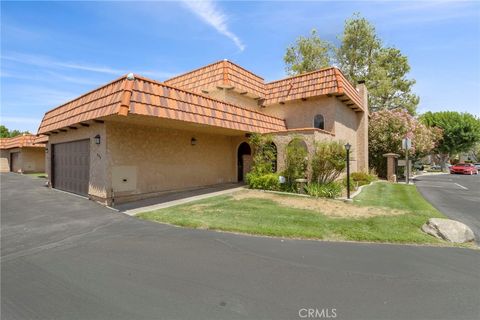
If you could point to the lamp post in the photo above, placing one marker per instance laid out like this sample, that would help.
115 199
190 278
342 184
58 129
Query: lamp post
347 147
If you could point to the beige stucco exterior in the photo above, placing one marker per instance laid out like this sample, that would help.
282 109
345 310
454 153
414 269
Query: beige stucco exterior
142 156
29 159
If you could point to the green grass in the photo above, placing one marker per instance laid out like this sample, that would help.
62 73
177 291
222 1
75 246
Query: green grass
37 175
267 217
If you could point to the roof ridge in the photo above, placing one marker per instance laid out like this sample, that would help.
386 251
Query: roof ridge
204 96
211 64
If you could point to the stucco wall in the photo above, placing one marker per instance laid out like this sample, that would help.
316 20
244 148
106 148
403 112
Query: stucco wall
33 159
29 160
300 114
233 97
99 172
149 160
4 160
346 125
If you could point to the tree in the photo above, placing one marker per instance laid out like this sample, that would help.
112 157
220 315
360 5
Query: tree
359 48
361 56
307 54
5 133
387 84
386 130
461 131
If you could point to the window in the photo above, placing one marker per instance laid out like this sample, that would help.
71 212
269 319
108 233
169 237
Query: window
319 122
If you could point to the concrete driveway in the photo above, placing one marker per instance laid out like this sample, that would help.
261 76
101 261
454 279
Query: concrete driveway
64 257
457 196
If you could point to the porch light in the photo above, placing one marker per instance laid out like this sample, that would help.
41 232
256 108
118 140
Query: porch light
97 139
347 147
193 141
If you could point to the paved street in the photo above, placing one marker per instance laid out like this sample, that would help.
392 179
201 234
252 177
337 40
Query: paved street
457 196
64 257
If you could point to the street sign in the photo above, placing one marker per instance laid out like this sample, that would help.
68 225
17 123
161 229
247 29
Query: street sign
406 143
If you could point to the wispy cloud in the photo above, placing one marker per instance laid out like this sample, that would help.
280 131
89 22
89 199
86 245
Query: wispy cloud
42 61
50 63
211 14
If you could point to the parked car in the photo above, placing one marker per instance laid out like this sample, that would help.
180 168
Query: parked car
418 166
436 167
477 165
464 168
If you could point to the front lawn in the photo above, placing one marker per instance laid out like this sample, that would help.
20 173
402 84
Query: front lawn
383 212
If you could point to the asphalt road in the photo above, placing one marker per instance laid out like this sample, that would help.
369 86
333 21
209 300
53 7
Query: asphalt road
64 257
457 196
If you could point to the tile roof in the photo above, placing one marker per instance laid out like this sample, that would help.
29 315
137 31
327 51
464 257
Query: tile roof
328 81
147 97
26 140
97 103
220 74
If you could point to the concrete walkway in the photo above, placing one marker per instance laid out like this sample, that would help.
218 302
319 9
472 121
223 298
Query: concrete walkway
175 198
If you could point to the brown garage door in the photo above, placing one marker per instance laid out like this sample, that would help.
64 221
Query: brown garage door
15 161
71 166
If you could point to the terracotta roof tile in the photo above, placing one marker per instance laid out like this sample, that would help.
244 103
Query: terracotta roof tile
308 85
221 73
26 140
151 98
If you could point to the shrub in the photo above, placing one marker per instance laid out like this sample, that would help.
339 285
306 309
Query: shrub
296 161
326 190
264 154
328 162
362 178
267 181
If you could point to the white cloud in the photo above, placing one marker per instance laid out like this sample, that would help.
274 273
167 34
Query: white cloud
42 61
211 14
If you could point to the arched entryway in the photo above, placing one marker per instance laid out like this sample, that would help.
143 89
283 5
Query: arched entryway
244 160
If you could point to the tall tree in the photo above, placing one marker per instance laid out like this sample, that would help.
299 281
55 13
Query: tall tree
461 131
360 56
307 54
359 48
388 86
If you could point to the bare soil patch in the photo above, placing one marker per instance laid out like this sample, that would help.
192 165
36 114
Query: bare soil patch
331 208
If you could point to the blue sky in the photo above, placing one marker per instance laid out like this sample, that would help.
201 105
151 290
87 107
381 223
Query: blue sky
54 51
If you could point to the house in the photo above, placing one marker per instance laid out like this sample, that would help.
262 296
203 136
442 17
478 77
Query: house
136 138
23 154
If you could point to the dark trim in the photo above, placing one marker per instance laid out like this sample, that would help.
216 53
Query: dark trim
83 124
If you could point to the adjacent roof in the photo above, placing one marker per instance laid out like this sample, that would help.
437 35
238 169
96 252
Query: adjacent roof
220 74
144 96
26 140
328 81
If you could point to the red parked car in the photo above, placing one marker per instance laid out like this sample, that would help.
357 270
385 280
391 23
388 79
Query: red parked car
464 168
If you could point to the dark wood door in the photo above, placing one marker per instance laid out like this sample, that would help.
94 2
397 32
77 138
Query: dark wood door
71 166
15 161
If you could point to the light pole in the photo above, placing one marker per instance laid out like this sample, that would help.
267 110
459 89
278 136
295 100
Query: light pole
347 147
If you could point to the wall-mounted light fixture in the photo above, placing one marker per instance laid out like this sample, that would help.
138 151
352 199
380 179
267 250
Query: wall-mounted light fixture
193 141
97 139
46 150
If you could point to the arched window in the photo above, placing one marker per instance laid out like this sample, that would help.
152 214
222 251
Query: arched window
319 122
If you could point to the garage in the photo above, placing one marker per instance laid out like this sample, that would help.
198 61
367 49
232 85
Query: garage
15 161
71 166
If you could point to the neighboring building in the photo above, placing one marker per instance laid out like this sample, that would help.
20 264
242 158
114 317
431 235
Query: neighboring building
135 138
23 154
